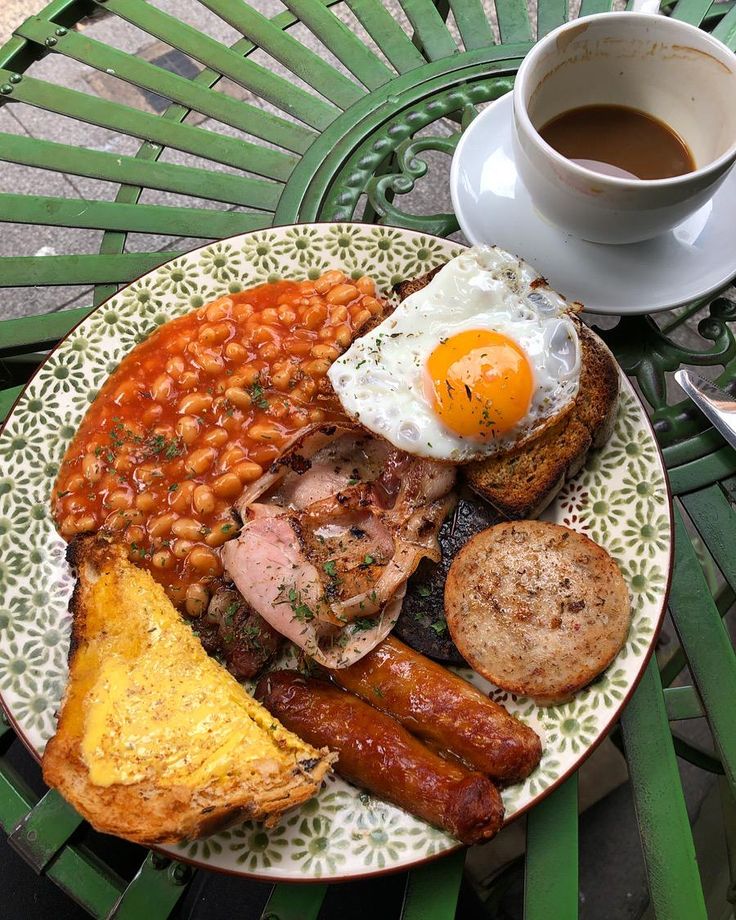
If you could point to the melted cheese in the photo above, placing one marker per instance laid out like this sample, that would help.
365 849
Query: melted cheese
156 704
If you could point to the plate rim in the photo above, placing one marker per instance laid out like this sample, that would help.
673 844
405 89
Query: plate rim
454 184
170 852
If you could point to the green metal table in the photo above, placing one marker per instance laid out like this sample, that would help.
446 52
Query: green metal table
343 103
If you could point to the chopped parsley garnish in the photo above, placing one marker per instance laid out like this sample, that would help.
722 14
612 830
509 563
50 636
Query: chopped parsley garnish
140 550
423 591
440 627
363 623
378 691
293 598
158 445
256 393
369 560
330 568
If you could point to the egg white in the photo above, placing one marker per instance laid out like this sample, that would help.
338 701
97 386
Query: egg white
380 379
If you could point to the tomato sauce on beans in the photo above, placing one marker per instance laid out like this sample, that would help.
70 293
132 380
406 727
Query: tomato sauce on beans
199 410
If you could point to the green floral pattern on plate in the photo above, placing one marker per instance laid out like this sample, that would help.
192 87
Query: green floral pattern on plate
618 499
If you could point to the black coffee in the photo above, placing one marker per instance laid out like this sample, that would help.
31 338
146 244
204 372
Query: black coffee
619 141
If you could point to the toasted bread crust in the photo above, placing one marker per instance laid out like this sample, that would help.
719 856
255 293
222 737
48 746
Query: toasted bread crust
523 482
410 286
146 812
536 608
599 387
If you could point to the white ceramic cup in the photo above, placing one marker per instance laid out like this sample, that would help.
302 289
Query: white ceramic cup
666 68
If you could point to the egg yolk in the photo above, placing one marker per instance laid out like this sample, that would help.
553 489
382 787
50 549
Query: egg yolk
480 383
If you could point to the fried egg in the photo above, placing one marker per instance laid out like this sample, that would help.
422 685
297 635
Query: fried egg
479 361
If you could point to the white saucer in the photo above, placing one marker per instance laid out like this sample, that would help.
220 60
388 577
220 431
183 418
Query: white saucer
492 205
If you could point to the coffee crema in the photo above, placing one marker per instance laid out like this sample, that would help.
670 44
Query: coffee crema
619 141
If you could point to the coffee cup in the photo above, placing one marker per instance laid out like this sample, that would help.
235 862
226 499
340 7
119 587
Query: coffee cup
674 72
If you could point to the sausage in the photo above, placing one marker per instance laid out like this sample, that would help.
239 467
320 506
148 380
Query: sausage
444 710
375 752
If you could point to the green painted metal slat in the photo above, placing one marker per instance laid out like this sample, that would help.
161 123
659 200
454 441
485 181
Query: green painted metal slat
703 472
682 703
666 838
429 28
137 218
7 398
294 902
154 891
127 170
74 870
551 870
344 44
190 94
432 890
715 518
513 21
259 80
40 834
124 119
697 755
706 644
726 29
387 34
26 271
717 10
550 14
705 442
472 23
301 61
691 11
86 879
16 798
114 241
588 7
33 332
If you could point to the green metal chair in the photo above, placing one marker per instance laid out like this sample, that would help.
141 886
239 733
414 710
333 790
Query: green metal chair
348 142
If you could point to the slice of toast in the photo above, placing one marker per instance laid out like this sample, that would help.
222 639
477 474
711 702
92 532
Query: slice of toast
521 483
156 742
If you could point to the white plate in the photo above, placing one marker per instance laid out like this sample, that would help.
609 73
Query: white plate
492 205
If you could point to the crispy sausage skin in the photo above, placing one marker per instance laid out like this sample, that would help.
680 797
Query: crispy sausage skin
443 709
375 752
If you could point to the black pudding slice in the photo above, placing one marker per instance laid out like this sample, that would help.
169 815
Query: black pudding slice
422 622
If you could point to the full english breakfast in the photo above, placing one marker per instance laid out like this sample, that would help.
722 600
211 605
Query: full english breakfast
305 468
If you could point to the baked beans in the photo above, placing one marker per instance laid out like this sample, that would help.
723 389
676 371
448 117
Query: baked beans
198 411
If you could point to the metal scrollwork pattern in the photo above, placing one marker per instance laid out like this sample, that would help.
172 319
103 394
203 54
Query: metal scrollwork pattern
388 163
648 351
